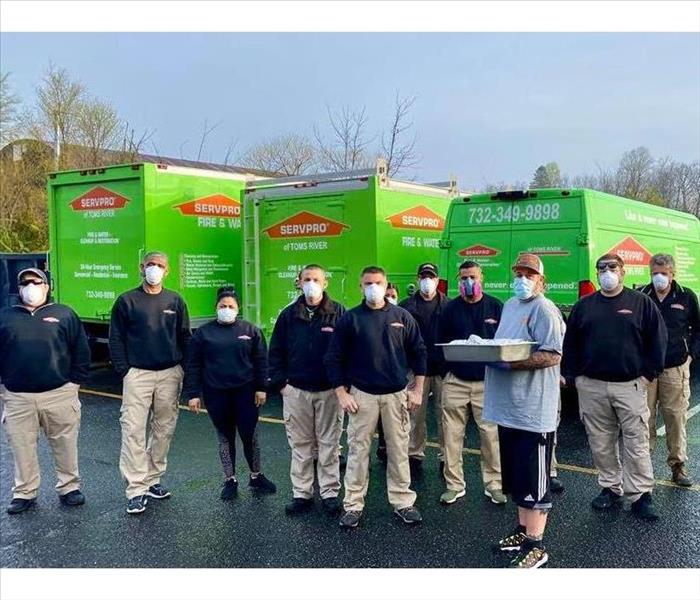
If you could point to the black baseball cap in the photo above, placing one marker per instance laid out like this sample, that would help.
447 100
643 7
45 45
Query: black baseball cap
428 268
31 271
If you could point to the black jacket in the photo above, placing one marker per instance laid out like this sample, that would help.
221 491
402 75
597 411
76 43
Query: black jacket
299 344
461 319
148 331
615 338
225 356
43 349
373 349
428 331
682 317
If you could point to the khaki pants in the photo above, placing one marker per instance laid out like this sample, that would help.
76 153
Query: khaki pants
419 429
553 467
57 413
459 399
607 408
313 422
671 394
149 398
393 409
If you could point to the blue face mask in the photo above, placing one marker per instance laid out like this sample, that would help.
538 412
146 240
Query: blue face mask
523 288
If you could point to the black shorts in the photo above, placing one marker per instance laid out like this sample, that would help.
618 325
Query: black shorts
525 460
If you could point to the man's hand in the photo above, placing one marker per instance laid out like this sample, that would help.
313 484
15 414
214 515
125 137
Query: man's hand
562 381
260 399
195 405
415 398
346 401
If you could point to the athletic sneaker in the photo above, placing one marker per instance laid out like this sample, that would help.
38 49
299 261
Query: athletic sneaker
555 485
159 492
19 505
262 484
530 557
136 505
679 475
451 496
409 515
513 541
644 508
606 499
298 506
331 505
351 518
74 498
497 496
229 490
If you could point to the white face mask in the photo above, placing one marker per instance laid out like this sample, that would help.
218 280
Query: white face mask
523 288
660 282
428 285
153 274
32 295
374 293
392 300
608 280
226 315
312 290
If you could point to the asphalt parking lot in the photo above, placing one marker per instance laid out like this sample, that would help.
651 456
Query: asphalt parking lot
196 529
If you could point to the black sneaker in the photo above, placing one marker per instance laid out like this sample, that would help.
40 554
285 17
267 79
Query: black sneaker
298 506
409 515
262 484
530 557
381 454
158 491
555 485
229 490
19 505
351 518
513 541
644 508
136 505
74 498
331 506
343 462
606 499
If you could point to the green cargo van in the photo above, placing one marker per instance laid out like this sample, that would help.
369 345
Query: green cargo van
102 221
343 221
569 229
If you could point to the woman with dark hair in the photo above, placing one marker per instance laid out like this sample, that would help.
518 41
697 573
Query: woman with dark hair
227 368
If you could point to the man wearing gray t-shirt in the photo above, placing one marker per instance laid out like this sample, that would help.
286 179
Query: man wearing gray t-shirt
522 398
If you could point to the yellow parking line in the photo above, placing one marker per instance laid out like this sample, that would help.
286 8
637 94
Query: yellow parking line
474 451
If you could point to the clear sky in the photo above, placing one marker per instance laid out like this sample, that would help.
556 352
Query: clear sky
489 108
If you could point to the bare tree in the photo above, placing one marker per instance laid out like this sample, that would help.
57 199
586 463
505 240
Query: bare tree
9 114
290 154
58 100
634 173
206 130
399 152
347 148
97 129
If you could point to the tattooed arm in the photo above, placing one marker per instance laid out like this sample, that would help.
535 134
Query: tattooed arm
538 360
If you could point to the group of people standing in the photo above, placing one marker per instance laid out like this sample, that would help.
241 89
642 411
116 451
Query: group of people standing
627 352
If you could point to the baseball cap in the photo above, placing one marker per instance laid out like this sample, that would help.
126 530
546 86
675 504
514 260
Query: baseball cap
529 261
31 271
428 267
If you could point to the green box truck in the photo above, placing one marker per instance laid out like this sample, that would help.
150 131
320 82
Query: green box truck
102 221
343 222
569 229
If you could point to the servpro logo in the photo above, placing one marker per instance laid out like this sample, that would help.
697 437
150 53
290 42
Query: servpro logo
418 217
631 252
306 224
478 250
99 198
216 205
